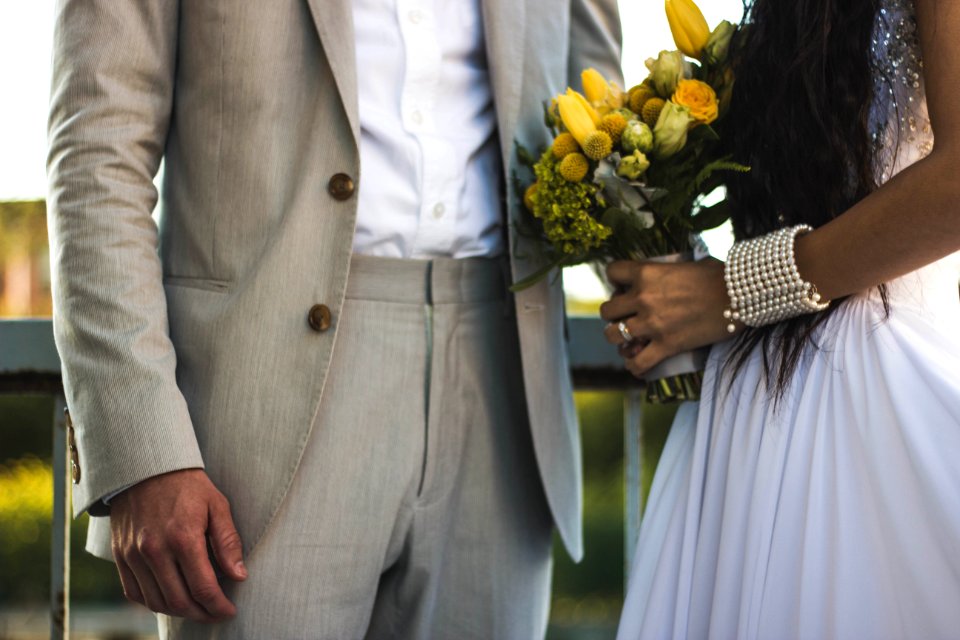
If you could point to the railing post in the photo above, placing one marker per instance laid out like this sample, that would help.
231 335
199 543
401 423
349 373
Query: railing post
633 468
60 531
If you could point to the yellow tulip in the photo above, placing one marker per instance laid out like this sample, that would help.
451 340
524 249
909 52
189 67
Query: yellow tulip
689 27
593 113
602 95
595 86
575 117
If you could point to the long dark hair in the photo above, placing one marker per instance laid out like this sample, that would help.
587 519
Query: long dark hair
800 117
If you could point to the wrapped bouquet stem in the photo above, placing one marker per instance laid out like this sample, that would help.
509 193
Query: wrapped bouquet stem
629 174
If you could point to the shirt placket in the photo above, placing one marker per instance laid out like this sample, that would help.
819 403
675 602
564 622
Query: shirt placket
418 103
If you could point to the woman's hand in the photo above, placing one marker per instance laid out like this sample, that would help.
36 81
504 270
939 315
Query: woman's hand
667 309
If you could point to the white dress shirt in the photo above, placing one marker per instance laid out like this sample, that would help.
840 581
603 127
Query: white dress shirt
430 158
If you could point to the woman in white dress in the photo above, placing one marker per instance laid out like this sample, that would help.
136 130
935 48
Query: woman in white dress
814 491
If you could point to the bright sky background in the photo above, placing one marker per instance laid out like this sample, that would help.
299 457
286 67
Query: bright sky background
26 29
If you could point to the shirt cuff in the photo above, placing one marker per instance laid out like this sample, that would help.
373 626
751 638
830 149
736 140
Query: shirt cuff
110 496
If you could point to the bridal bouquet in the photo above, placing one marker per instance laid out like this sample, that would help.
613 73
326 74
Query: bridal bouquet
627 174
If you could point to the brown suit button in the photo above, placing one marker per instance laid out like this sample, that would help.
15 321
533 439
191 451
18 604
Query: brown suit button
319 317
75 466
341 186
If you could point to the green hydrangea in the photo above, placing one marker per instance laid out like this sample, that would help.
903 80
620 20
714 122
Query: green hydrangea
564 208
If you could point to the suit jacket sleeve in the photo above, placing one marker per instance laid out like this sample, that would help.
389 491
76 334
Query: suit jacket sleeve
113 78
595 39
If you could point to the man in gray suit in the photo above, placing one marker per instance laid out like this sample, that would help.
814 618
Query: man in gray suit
324 336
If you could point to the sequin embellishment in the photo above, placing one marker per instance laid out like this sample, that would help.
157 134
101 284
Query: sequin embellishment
900 126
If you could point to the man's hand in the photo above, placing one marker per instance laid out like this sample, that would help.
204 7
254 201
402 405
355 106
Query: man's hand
667 309
160 528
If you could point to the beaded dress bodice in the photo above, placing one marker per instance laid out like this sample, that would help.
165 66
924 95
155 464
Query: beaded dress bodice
900 125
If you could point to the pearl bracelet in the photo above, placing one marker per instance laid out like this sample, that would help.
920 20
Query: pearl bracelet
763 282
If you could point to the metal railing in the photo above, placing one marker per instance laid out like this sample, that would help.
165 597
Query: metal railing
29 364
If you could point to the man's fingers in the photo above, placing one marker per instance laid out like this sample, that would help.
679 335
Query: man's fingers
160 528
131 589
176 594
621 273
202 582
225 541
147 584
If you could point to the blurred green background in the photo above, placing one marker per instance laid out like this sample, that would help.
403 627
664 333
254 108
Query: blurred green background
586 597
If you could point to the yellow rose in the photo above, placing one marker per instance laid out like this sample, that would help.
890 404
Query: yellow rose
699 97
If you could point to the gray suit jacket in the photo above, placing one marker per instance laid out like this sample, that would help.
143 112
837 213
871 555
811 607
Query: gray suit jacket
201 354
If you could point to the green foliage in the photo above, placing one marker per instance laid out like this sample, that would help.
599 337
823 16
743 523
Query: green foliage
25 427
26 509
564 208
591 593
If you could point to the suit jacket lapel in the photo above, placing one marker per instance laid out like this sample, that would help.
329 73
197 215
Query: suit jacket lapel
334 22
504 26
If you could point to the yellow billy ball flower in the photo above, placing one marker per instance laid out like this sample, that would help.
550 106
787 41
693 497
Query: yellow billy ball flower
689 27
577 119
574 167
598 145
613 125
639 96
528 196
700 98
651 111
564 145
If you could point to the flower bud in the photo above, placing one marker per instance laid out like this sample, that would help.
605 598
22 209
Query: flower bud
633 166
575 117
689 27
718 46
637 137
670 134
595 86
667 70
593 113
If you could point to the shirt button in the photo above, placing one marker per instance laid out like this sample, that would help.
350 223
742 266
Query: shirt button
319 318
341 186
415 16
438 210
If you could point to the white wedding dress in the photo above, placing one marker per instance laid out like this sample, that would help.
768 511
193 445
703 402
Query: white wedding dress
835 514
